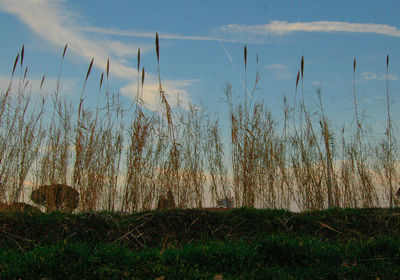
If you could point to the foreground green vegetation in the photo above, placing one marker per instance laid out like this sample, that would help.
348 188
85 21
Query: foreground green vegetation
273 257
199 244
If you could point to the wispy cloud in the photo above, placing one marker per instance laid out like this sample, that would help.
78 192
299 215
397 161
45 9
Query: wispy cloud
280 71
175 91
276 27
369 76
67 85
375 76
161 35
52 21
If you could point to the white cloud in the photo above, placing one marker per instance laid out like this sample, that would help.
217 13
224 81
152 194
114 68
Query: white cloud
277 67
68 86
120 49
51 20
161 35
175 90
381 77
391 77
280 71
368 76
276 27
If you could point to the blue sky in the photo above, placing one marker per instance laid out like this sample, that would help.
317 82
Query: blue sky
201 49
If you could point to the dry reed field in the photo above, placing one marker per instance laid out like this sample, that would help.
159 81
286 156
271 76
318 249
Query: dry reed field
129 160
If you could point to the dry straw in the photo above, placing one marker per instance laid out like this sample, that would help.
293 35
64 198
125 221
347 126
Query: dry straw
136 160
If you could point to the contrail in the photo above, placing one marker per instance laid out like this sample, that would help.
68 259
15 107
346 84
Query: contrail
231 61
228 55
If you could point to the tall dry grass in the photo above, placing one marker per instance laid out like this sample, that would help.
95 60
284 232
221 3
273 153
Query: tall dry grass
21 133
131 159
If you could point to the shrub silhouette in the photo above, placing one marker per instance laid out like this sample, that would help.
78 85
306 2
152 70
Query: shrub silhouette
166 202
18 206
56 197
225 202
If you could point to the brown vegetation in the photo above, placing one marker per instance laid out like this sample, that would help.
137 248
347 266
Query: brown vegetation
166 201
218 209
121 160
19 206
56 197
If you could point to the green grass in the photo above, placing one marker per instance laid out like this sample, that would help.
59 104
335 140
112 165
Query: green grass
197 244
270 257
179 227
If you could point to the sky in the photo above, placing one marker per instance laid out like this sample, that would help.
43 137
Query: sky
201 49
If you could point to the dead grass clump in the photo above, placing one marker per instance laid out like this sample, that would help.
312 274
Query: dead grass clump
56 197
19 206
166 201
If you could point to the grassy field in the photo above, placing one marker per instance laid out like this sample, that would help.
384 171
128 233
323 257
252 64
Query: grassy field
198 244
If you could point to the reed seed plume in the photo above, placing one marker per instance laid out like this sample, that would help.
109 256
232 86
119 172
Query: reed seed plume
22 54
108 67
89 69
138 93
101 80
302 67
15 64
387 62
138 60
143 76
41 82
245 56
245 76
157 48
354 65
65 50
25 73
